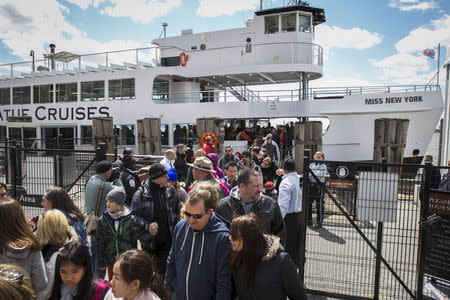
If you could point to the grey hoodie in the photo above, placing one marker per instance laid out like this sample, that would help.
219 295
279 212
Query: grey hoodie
31 261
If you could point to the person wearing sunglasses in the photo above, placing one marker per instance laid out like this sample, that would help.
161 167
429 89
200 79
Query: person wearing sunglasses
197 262
15 283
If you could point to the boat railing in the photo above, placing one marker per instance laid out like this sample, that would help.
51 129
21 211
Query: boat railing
245 94
149 57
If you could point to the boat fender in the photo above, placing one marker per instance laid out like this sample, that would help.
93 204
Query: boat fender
183 59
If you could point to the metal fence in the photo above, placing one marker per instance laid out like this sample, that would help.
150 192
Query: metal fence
30 172
368 244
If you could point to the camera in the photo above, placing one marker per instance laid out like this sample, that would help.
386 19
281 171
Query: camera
115 174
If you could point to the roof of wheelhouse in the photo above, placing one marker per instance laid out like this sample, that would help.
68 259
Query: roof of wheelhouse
317 13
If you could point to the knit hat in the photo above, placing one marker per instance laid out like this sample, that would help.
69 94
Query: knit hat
156 170
172 175
117 195
103 166
268 186
127 152
246 153
202 163
289 164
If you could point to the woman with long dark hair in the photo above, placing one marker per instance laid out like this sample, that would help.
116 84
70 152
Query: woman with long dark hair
58 198
260 267
18 245
74 278
135 278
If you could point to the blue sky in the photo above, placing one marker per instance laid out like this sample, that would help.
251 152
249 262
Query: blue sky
366 42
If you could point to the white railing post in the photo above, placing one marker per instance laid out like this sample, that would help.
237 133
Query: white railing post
106 55
12 71
137 58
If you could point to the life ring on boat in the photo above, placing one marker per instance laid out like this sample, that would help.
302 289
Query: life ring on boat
183 59
209 138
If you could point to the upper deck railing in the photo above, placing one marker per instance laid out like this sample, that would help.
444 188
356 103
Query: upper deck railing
149 57
236 94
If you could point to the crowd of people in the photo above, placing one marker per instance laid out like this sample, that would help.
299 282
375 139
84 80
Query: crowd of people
207 227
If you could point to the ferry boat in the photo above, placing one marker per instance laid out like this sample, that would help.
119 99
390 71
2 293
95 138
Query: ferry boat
210 74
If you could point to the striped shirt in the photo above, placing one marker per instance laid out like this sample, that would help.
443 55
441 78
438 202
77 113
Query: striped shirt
320 170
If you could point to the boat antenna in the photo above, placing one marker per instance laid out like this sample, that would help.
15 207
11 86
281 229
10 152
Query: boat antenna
32 63
164 31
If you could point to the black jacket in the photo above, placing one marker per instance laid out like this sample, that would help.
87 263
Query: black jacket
143 207
130 183
276 277
265 208
181 166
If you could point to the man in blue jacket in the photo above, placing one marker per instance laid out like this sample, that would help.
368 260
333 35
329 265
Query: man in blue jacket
197 262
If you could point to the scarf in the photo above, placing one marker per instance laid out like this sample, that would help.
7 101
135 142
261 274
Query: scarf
119 214
67 293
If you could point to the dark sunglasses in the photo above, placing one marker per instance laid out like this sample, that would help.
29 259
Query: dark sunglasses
2 195
194 216
11 275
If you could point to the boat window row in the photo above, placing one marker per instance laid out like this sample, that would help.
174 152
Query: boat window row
118 89
288 22
124 134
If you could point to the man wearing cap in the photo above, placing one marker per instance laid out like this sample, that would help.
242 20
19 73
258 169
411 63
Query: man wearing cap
247 197
247 163
157 209
129 178
97 187
290 202
189 178
202 173
127 152
99 184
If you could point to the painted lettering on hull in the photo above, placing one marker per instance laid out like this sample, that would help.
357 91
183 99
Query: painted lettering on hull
42 113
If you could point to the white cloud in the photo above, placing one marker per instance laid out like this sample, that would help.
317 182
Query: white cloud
141 10
412 5
426 36
214 8
84 4
23 28
354 38
409 65
404 67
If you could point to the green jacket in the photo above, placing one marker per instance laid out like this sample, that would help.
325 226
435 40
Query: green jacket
111 242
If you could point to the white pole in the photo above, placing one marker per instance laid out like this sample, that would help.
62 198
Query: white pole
445 129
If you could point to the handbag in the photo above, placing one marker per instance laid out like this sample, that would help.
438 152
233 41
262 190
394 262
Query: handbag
91 219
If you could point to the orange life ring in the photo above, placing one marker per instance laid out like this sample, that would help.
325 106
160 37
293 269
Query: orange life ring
183 59
210 138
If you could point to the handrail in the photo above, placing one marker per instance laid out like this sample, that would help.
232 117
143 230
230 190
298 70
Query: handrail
317 56
327 93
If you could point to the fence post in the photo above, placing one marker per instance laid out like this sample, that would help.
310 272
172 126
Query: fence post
100 152
305 189
423 195
376 288
13 168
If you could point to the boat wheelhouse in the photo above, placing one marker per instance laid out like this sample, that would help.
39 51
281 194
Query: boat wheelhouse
229 74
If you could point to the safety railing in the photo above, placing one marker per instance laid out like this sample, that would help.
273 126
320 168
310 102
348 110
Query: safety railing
235 94
149 57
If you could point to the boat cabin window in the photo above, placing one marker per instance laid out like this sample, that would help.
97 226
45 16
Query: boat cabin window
304 23
93 90
121 89
288 22
22 95
3 133
184 133
43 93
125 134
164 134
86 134
5 96
161 89
271 24
24 135
67 92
